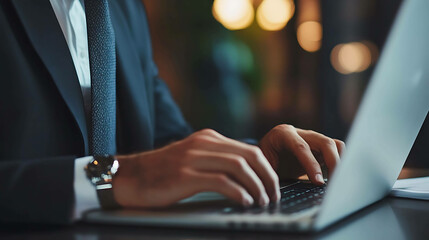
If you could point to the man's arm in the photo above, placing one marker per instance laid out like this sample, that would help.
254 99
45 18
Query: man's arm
170 124
37 190
205 160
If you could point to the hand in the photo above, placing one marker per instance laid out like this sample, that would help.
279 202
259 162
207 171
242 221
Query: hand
304 144
204 161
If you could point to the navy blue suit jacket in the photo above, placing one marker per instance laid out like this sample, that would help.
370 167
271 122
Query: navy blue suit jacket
42 122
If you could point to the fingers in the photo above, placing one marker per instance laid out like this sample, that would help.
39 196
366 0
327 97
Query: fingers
253 155
302 151
324 145
235 167
341 146
286 136
220 183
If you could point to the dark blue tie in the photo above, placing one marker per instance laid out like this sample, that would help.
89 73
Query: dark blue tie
102 60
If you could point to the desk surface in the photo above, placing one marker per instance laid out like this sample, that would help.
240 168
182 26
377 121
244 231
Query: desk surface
391 218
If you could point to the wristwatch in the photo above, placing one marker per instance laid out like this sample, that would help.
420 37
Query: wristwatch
100 171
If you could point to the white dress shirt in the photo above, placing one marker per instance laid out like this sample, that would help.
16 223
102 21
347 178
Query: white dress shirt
71 18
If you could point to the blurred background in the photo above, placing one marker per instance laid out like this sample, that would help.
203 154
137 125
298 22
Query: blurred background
244 66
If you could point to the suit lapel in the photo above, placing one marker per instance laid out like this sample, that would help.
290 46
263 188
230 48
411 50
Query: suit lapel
44 32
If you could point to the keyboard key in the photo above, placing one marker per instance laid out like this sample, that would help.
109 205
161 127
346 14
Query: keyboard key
294 198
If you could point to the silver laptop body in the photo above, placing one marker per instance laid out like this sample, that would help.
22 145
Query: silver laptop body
389 118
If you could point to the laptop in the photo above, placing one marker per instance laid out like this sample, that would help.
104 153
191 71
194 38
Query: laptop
389 118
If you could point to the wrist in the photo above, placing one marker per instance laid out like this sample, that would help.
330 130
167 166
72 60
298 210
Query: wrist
124 183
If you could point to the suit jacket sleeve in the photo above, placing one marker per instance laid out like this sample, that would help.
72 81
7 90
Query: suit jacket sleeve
170 124
37 190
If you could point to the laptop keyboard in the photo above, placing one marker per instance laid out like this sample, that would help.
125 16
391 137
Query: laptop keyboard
294 198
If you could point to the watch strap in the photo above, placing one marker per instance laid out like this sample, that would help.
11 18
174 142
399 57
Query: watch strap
106 197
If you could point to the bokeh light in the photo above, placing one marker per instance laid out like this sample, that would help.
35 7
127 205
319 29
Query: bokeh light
233 14
309 35
351 57
273 15
373 49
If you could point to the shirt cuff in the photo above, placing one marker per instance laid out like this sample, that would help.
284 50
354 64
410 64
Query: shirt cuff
85 193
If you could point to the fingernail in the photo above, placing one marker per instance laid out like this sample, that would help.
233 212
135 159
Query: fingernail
248 200
319 178
264 200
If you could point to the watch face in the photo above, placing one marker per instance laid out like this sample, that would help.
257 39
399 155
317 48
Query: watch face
101 169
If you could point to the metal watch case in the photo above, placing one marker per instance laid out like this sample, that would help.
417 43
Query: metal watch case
101 169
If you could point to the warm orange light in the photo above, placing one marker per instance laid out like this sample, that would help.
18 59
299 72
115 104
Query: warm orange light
351 57
309 10
373 49
273 15
309 35
233 14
